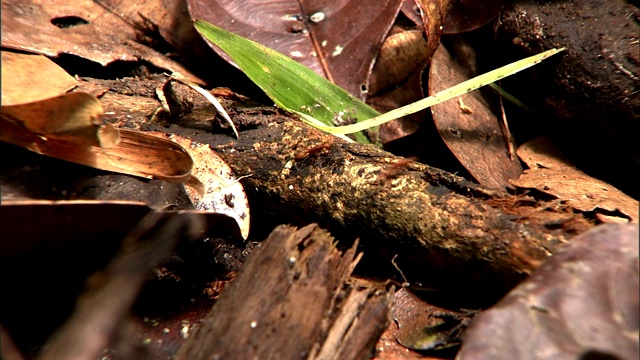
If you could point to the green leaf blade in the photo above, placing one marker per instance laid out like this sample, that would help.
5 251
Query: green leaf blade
292 86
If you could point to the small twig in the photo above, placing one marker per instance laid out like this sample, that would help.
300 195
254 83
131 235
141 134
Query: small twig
393 261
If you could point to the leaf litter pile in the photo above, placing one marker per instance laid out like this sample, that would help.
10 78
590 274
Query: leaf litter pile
156 203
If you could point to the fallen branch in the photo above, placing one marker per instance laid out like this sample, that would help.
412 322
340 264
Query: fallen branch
437 222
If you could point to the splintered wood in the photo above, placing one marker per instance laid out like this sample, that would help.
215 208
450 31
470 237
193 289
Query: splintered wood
290 301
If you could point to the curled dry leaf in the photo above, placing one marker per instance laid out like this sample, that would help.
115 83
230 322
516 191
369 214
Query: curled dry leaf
402 54
462 16
73 117
581 304
469 127
552 173
433 13
337 39
22 76
135 153
399 66
422 326
213 187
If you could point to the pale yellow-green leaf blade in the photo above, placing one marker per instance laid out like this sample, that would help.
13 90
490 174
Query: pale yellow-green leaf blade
444 95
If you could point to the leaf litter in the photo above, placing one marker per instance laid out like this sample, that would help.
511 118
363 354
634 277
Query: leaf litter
316 18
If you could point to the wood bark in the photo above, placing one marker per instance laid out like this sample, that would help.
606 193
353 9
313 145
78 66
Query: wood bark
446 232
290 301
437 223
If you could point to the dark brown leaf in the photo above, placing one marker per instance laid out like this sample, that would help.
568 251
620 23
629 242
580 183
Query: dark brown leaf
467 15
337 39
583 300
470 129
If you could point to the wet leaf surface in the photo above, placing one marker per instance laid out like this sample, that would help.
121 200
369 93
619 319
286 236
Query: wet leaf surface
337 39
582 302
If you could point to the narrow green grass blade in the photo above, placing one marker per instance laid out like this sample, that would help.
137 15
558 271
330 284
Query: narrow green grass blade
444 95
290 85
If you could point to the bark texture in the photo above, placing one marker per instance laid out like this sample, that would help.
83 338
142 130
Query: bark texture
437 223
289 301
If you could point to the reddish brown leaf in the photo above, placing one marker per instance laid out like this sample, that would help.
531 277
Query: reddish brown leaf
82 28
581 304
411 10
337 39
470 129
467 15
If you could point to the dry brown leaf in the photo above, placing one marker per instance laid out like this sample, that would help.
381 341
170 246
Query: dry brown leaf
433 14
402 54
135 153
28 78
85 29
213 186
469 127
73 117
582 303
550 172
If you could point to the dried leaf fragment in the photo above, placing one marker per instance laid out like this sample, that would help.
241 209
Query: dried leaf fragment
213 187
23 78
73 117
550 172
84 28
135 153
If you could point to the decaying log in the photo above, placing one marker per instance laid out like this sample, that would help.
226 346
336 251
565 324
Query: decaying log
446 231
290 301
436 222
